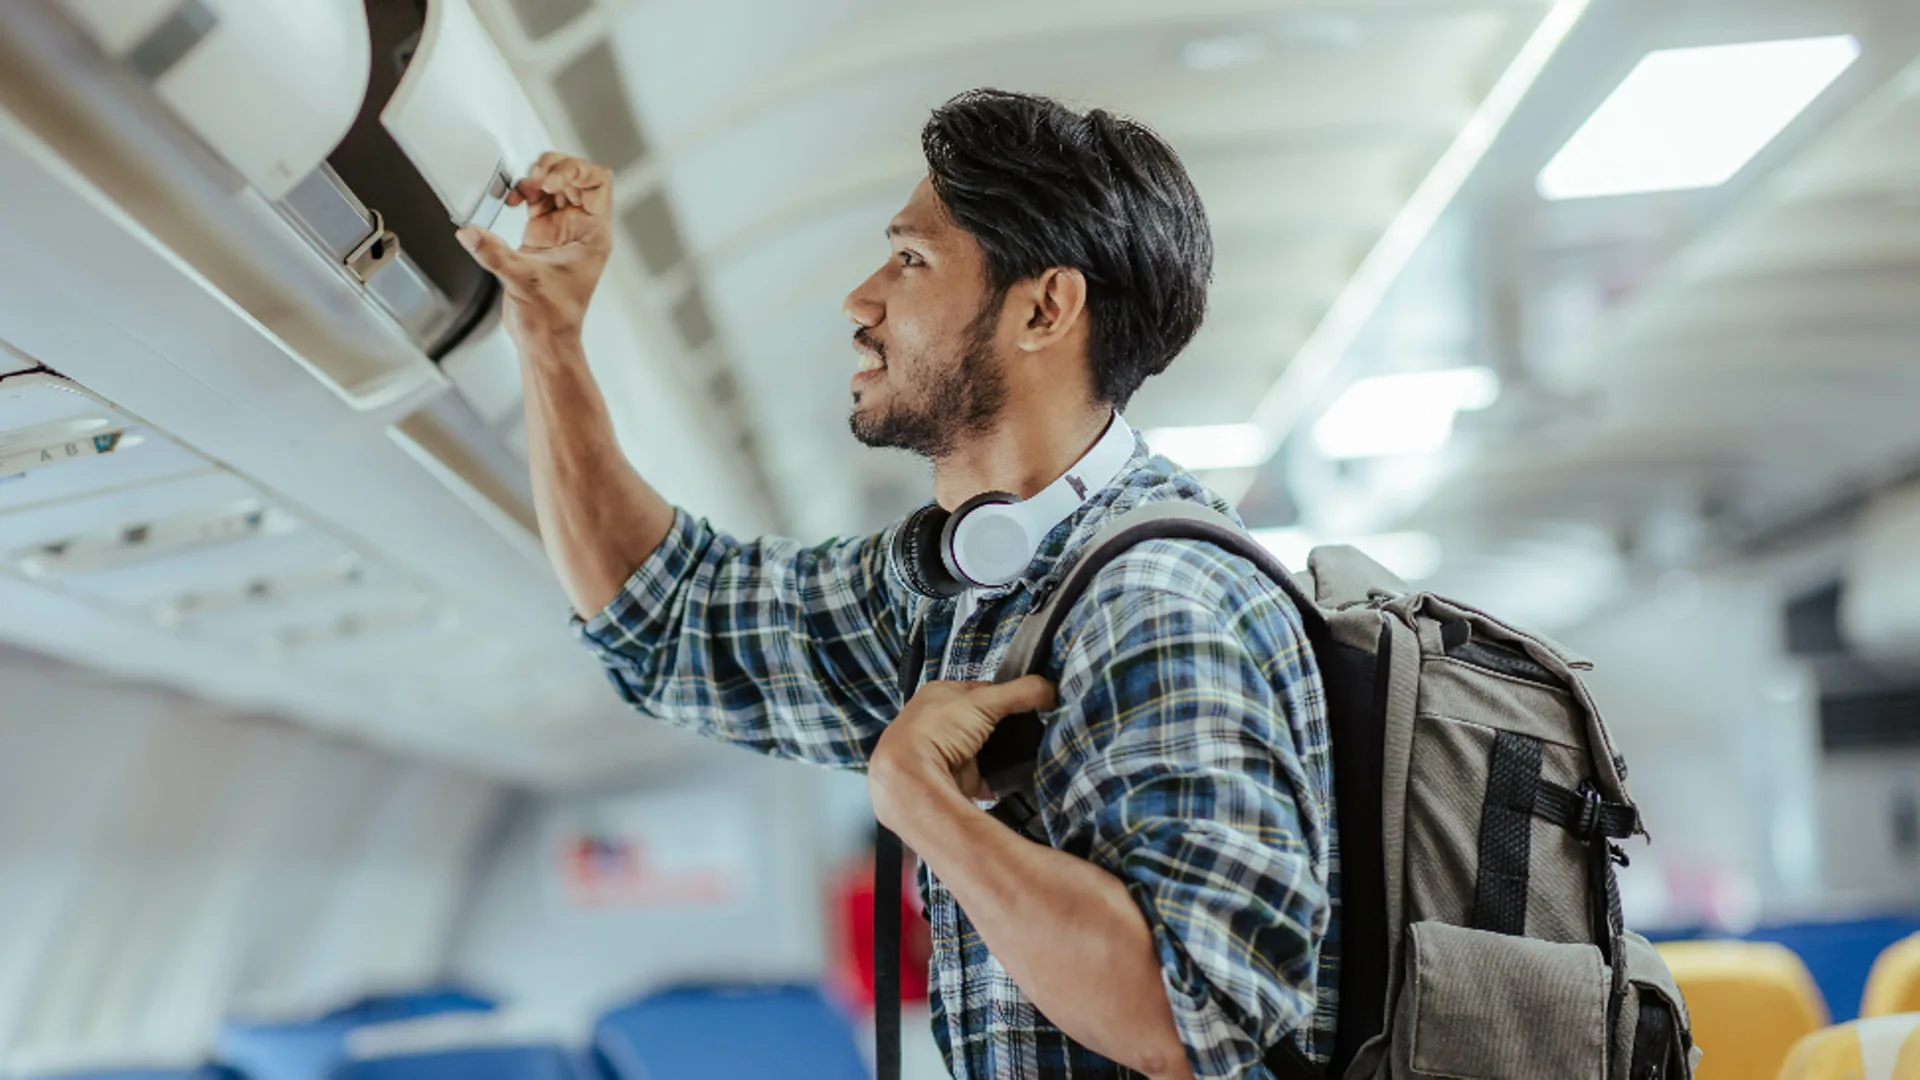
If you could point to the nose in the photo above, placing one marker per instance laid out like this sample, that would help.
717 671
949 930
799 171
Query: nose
863 306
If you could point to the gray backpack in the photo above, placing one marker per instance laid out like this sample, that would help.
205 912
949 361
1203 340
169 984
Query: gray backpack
1478 796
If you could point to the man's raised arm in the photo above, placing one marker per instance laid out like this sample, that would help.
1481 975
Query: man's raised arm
599 519
785 649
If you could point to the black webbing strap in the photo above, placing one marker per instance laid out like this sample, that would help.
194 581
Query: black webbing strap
887 859
888 869
1584 813
1506 834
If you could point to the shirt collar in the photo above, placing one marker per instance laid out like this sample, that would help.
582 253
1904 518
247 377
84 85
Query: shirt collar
1076 527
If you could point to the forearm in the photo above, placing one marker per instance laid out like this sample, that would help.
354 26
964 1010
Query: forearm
599 520
1066 930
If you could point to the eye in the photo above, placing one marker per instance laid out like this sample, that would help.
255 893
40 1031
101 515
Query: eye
909 258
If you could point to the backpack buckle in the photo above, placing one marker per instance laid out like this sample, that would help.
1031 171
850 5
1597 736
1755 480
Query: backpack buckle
1587 825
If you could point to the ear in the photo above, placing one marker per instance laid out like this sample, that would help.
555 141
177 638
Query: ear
1058 311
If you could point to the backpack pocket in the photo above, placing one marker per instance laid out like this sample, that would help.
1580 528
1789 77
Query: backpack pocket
1477 1005
1653 1041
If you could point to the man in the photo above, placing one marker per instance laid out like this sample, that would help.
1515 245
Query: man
1049 263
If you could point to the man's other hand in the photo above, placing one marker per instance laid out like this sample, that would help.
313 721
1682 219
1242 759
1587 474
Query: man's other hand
549 281
934 740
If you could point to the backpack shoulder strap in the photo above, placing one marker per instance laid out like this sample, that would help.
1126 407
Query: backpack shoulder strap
1007 760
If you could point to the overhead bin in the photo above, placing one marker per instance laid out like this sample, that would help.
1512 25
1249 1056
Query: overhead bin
345 167
339 170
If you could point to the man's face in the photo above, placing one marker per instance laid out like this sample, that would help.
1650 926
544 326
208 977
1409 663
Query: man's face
929 373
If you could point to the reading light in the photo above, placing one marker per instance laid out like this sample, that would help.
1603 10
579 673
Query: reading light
1693 118
1212 446
1402 414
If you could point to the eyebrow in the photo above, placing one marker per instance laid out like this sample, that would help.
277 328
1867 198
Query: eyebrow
905 230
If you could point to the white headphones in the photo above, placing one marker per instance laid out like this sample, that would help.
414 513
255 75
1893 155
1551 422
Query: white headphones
989 540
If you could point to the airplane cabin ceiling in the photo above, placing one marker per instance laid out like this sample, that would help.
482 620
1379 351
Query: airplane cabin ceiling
783 136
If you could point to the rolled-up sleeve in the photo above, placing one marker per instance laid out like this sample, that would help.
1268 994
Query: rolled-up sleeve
785 649
1189 758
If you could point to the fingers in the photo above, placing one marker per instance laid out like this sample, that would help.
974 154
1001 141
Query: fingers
569 181
546 161
491 252
558 181
1029 693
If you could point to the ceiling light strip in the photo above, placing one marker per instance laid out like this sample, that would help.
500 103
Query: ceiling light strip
1319 357
1693 118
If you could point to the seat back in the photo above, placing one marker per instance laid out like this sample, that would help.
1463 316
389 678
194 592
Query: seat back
1750 1002
1882 1048
309 1050
718 1033
1839 953
535 1062
1893 986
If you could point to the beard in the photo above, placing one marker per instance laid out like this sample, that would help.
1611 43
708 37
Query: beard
950 404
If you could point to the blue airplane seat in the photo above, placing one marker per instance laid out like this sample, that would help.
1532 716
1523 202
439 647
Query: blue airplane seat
309 1050
529 1062
721 1033
1840 954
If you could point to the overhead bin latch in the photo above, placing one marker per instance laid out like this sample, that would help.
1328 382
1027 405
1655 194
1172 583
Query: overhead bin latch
373 253
492 200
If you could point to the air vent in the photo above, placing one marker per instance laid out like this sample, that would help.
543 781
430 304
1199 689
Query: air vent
1874 721
128 545
650 226
342 572
358 626
690 317
595 97
538 18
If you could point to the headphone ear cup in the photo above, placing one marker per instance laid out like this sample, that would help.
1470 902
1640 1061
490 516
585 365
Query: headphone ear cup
917 556
1003 537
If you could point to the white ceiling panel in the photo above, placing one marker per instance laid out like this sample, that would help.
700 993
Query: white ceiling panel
786 135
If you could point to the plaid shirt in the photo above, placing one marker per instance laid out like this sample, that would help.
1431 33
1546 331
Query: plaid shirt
1189 756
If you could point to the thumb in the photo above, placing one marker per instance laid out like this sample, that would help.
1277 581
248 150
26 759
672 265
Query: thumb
1029 693
491 252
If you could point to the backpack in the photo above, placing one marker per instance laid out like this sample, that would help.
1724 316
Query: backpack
1478 796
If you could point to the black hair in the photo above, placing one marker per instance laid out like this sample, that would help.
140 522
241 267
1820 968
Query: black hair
1041 186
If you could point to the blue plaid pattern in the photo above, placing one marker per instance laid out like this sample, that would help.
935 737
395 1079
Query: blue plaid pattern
1189 756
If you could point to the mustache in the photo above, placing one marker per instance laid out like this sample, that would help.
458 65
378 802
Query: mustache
863 338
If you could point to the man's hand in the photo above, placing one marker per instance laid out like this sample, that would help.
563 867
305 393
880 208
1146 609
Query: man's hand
930 747
549 281
1068 932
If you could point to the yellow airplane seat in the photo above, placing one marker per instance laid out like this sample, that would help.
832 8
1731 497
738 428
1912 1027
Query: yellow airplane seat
1894 984
1881 1048
1749 1002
